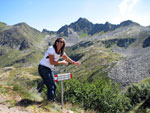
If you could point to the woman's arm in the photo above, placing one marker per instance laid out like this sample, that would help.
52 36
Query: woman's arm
53 62
65 57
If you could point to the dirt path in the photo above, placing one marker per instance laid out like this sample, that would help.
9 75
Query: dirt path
4 108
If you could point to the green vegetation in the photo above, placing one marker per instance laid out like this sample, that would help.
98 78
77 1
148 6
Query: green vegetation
139 95
18 88
83 35
2 26
102 96
105 96
20 58
126 42
18 82
31 34
96 61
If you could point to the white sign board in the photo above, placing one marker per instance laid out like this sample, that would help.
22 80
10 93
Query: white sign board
60 77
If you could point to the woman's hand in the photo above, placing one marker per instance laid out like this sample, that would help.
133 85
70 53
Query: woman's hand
77 63
64 62
66 58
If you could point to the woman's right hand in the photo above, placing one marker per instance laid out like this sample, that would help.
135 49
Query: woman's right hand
64 62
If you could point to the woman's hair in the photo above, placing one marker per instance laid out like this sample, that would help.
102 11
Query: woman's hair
62 50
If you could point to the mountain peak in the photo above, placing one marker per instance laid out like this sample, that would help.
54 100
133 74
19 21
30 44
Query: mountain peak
48 32
82 21
21 24
82 24
128 22
107 23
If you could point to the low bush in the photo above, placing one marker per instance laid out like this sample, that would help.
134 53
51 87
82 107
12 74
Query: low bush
102 95
138 92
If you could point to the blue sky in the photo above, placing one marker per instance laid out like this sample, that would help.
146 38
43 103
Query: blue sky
53 14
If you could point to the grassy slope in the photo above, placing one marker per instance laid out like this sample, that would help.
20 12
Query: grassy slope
31 34
30 56
96 61
2 26
18 88
20 58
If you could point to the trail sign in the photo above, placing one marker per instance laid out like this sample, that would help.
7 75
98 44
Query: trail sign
62 77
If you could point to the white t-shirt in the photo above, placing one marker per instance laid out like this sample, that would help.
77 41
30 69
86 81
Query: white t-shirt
45 61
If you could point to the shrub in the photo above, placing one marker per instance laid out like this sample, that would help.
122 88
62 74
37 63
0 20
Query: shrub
138 92
102 95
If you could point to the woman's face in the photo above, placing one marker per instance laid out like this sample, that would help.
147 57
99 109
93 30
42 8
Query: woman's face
60 43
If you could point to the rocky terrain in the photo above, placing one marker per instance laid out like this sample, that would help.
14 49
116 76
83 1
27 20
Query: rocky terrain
4 108
133 68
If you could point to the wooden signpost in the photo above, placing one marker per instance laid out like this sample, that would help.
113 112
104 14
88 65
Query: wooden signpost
62 77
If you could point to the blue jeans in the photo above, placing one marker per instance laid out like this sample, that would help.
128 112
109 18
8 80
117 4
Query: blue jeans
48 78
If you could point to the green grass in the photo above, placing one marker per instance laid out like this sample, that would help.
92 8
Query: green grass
2 26
18 84
82 35
12 55
20 58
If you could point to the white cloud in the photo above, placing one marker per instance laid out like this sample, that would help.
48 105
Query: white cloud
126 7
136 18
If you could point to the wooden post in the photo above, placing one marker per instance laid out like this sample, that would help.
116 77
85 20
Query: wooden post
62 94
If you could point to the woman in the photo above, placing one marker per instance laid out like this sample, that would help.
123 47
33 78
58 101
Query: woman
50 59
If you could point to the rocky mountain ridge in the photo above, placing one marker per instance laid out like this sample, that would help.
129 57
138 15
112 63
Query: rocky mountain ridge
20 36
82 25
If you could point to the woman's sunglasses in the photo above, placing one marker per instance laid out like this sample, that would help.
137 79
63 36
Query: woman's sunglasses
60 41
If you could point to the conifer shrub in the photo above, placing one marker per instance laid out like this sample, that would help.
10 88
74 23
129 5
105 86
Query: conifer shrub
138 92
102 95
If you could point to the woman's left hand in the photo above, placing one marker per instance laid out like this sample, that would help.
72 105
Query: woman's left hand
77 63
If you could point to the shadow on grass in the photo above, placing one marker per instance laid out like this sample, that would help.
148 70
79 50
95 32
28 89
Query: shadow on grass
27 102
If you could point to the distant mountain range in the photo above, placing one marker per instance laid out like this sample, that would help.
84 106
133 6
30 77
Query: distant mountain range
82 25
20 36
116 51
23 36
